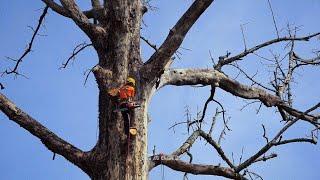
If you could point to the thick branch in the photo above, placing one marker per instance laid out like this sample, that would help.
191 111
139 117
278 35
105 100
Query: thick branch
197 169
158 61
81 19
180 77
48 138
62 11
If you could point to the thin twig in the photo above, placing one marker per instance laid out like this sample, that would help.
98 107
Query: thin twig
150 44
243 37
75 52
1 86
28 50
265 134
273 18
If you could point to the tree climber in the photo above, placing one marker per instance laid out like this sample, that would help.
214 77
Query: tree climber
125 95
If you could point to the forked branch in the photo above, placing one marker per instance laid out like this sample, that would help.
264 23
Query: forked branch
276 141
62 11
29 48
229 60
154 67
180 77
75 52
93 31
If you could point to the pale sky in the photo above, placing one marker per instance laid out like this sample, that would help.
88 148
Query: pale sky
58 99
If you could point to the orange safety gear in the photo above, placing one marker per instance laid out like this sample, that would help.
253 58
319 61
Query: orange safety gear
126 92
113 92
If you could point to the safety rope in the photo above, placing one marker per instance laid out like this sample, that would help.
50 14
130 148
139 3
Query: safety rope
127 153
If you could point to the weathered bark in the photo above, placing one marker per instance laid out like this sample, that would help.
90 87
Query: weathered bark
119 57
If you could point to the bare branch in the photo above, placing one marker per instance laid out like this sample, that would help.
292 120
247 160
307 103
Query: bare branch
223 132
273 142
204 110
62 11
180 77
76 50
265 158
187 144
88 72
153 68
148 42
185 176
1 86
229 60
197 169
81 19
265 134
243 37
214 119
208 138
48 138
251 78
312 141
28 50
273 18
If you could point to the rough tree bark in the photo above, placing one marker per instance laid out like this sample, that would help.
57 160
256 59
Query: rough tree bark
115 35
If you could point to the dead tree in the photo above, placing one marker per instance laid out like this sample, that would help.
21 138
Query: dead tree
114 30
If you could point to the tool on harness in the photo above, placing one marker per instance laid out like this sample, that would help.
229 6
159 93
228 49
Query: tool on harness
125 104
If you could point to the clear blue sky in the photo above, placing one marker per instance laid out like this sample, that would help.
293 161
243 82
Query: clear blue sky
58 99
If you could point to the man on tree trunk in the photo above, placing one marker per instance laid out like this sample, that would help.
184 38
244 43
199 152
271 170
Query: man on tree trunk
124 95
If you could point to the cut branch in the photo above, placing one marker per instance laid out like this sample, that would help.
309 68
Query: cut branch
48 138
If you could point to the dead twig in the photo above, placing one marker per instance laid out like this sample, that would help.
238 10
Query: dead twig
29 47
75 52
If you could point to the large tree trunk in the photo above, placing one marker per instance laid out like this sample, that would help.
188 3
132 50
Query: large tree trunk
119 57
112 157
